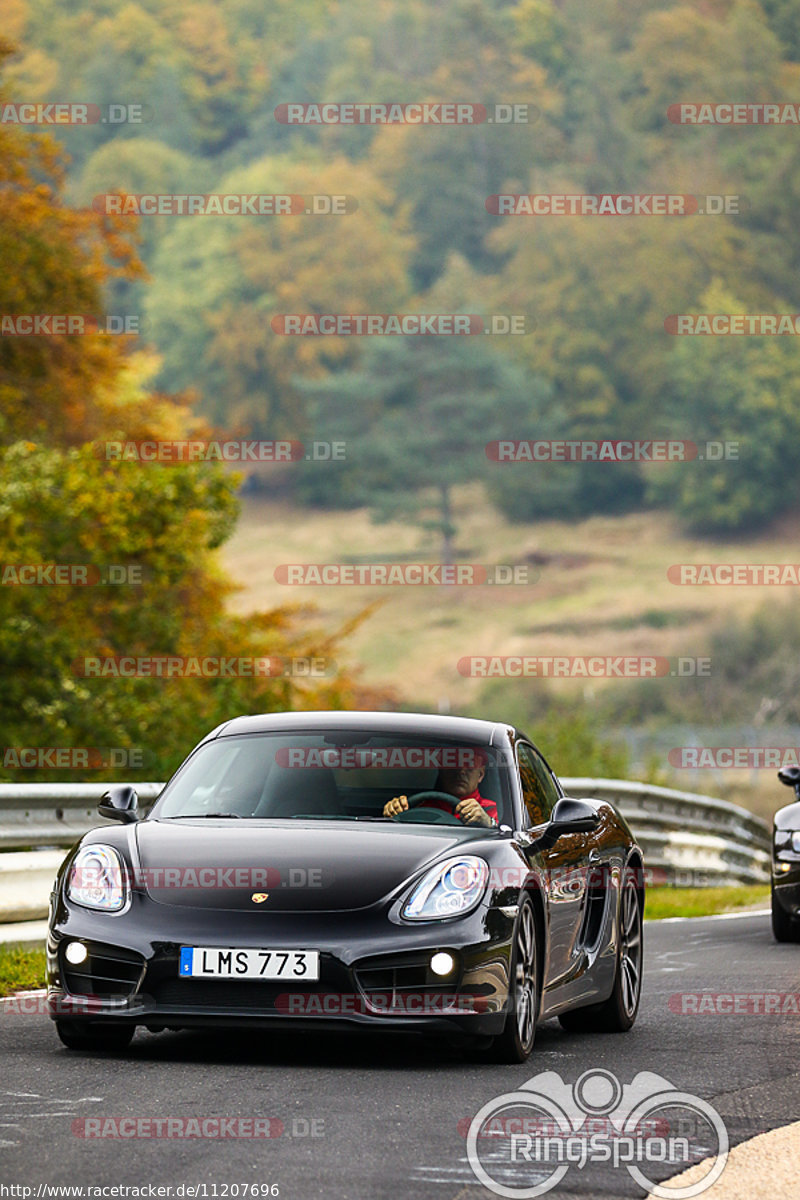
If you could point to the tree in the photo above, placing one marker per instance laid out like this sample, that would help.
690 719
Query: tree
214 297
417 416
741 390
63 502
599 290
56 261
160 524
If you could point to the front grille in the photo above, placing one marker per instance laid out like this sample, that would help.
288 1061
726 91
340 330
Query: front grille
387 981
219 993
108 971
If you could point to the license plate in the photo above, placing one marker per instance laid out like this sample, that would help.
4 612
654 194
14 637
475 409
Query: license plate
212 962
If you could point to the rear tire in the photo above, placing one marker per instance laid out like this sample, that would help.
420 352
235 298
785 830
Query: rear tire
784 927
618 1013
89 1035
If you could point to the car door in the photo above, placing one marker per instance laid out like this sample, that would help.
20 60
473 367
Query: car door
565 865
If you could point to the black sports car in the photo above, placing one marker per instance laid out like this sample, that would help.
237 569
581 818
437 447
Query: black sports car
268 887
786 863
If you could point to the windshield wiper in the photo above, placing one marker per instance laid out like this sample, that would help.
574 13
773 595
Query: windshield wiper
200 816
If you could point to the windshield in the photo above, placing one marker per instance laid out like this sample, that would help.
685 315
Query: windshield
336 775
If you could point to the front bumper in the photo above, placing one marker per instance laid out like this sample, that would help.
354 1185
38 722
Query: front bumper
374 973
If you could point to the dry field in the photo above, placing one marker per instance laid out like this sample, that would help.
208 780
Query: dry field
597 587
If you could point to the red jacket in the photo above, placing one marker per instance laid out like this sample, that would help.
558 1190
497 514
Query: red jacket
488 806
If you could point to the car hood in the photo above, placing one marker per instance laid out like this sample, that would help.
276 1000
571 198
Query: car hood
302 866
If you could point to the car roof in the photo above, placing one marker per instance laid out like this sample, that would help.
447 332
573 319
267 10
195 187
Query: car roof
482 733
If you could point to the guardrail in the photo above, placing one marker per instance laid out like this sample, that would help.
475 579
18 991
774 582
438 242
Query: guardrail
44 815
54 814
686 838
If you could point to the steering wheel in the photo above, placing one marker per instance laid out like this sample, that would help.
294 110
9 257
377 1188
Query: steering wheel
437 816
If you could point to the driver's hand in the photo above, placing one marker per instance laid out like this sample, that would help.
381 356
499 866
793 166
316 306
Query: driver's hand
396 805
472 813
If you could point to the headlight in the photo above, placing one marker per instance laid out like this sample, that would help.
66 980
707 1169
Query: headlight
449 889
97 879
796 841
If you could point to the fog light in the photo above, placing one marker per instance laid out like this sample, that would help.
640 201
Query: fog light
76 953
782 867
442 963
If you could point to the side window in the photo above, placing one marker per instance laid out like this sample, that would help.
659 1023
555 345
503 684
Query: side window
538 788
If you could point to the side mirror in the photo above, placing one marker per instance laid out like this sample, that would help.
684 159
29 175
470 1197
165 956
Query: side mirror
570 816
790 776
120 803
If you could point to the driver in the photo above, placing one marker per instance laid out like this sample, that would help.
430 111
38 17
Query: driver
472 808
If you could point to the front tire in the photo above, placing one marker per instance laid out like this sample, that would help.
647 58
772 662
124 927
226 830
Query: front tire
784 927
515 1043
618 1013
88 1035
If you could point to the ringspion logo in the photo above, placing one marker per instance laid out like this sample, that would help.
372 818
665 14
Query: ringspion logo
548 1127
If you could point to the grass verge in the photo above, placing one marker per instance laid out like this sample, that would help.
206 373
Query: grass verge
661 902
21 967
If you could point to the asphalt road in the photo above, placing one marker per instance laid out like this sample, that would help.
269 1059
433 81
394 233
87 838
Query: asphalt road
365 1119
